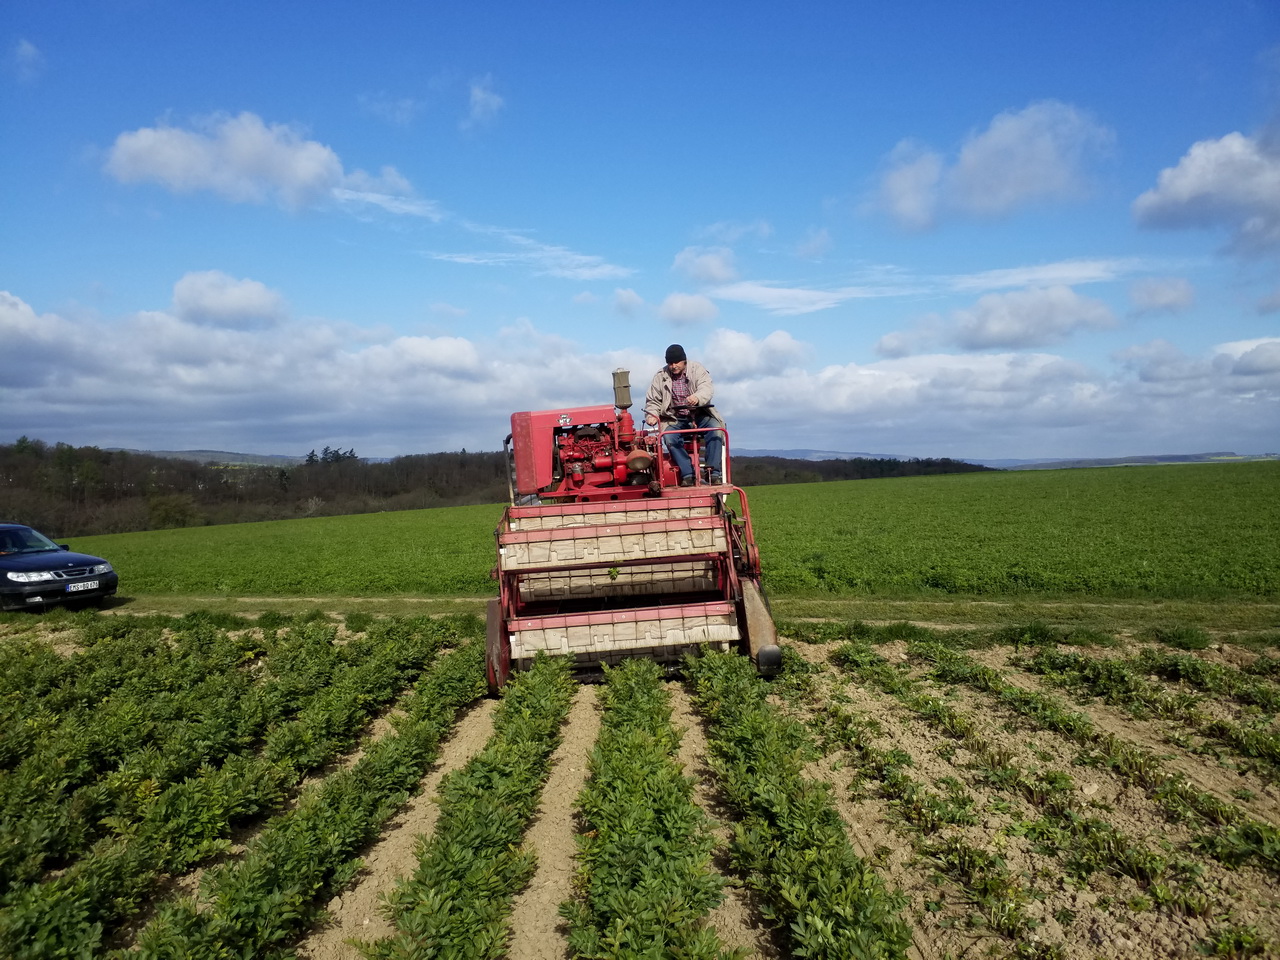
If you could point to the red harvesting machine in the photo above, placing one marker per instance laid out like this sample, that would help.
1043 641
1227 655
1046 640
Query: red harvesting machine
602 555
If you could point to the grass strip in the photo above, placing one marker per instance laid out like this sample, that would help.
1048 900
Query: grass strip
458 901
645 877
791 843
255 906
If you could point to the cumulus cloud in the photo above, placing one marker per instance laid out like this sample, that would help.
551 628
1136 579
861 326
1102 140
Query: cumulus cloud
212 298
1037 154
158 380
245 160
627 302
1035 317
706 265
484 104
684 309
909 186
1233 183
740 356
1161 295
1020 319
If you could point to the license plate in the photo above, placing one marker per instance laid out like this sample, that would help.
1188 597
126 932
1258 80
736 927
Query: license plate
83 585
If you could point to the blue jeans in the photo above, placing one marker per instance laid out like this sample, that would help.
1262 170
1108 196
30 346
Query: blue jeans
713 442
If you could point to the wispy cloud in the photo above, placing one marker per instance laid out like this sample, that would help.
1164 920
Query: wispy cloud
484 104
542 258
1069 272
789 301
26 61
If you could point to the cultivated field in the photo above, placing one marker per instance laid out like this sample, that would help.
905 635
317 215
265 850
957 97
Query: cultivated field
1045 737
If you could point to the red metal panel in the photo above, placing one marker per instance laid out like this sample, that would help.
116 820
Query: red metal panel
533 439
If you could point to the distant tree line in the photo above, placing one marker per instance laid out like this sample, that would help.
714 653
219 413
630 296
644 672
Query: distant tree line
71 491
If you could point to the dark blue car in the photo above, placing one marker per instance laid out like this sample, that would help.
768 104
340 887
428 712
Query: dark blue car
35 571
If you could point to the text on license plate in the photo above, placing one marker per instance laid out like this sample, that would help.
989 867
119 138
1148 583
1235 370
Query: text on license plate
82 585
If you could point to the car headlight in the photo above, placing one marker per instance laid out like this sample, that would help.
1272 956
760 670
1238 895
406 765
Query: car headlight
101 568
30 577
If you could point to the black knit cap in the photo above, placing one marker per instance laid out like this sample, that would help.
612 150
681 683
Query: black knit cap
675 353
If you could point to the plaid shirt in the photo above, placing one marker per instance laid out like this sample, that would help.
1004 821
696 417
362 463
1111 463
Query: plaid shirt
680 395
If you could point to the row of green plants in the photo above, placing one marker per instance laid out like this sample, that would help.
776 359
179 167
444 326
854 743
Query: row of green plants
183 823
999 899
457 903
1229 835
258 904
190 702
645 881
1064 826
1126 684
790 842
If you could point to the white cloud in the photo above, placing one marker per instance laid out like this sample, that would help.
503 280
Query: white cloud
545 259
1161 295
815 244
245 160
706 265
627 302
212 298
400 111
26 61
740 356
1068 272
584 297
155 380
1029 318
1037 154
788 301
1233 183
484 103
731 231
683 309
910 184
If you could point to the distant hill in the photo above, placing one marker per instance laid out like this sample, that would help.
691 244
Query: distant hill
1044 463
220 456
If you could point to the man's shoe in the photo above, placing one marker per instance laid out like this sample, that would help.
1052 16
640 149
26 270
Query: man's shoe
686 481
715 478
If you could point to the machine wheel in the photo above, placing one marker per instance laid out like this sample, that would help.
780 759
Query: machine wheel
497 648
762 635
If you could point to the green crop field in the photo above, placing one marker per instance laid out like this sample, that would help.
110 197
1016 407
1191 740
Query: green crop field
1026 715
1204 531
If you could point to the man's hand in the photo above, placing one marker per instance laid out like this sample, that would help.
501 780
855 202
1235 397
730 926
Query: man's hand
694 401
651 420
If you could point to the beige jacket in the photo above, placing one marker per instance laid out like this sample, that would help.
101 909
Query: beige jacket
658 401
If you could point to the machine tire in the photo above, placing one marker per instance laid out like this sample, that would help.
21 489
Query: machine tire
497 648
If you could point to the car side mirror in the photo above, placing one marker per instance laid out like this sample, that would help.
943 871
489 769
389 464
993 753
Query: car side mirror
64 546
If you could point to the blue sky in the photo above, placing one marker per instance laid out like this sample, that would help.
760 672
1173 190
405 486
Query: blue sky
987 230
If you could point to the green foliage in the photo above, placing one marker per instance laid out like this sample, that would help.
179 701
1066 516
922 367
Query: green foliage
1175 531
645 870
260 902
457 902
790 842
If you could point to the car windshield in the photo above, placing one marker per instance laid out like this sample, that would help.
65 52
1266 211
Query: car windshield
24 540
